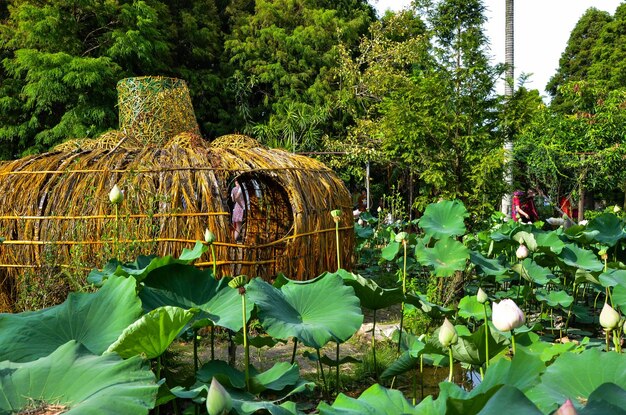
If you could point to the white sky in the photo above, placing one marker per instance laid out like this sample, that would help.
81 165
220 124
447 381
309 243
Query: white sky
542 29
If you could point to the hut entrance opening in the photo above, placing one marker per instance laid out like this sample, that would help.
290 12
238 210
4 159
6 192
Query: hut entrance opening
268 218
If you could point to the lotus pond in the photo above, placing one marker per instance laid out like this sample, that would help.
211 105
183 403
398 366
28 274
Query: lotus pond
533 315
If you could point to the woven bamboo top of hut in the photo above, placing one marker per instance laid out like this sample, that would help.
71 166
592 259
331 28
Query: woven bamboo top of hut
55 213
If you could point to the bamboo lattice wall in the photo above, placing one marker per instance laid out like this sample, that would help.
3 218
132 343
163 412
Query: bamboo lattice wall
56 216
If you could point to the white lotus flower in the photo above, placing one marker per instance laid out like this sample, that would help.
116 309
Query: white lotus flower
507 316
115 195
609 318
522 252
447 334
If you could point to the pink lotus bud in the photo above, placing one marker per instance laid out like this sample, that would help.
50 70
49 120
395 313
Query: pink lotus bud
507 316
522 252
566 409
447 334
609 318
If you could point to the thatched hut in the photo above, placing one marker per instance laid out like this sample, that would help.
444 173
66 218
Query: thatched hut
57 219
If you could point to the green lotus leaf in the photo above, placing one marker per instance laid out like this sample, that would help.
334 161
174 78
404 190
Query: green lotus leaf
446 257
607 399
84 383
548 351
508 399
313 313
577 257
190 255
421 302
444 219
471 348
610 229
152 333
526 238
549 242
469 307
533 272
376 400
371 295
583 276
619 297
186 286
555 298
584 372
390 251
613 277
92 319
486 266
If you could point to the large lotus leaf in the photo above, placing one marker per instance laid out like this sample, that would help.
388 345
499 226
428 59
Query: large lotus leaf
526 238
277 378
142 266
376 400
577 257
471 348
607 399
554 298
152 333
85 383
619 297
486 266
390 251
444 219
446 257
507 400
93 319
584 373
371 295
549 242
523 372
421 302
313 313
533 272
613 277
469 307
548 351
610 229
187 287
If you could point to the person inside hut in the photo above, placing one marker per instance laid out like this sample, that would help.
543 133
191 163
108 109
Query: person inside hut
239 208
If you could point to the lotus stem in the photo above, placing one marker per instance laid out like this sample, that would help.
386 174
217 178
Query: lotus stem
195 351
374 345
246 347
214 261
421 376
295 346
319 361
607 334
486 336
117 232
513 341
404 244
338 248
337 380
451 364
212 342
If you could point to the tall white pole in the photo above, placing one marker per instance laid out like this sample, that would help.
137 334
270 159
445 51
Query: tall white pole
509 57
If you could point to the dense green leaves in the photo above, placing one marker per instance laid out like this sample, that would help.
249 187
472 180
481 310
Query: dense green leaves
90 319
86 384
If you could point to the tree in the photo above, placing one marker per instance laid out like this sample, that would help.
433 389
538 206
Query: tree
433 109
283 58
578 57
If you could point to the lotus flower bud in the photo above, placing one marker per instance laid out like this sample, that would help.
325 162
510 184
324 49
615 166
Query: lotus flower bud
447 334
616 209
481 296
507 316
402 236
209 237
609 318
566 409
115 195
361 222
522 252
379 209
218 400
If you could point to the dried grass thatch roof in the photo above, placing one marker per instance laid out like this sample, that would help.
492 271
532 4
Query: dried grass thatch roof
56 216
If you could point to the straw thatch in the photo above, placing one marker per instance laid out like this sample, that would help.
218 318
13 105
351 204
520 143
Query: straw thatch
57 219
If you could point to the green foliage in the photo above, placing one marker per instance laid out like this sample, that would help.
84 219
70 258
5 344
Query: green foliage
72 377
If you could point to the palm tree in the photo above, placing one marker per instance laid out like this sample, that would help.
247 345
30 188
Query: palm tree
508 93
